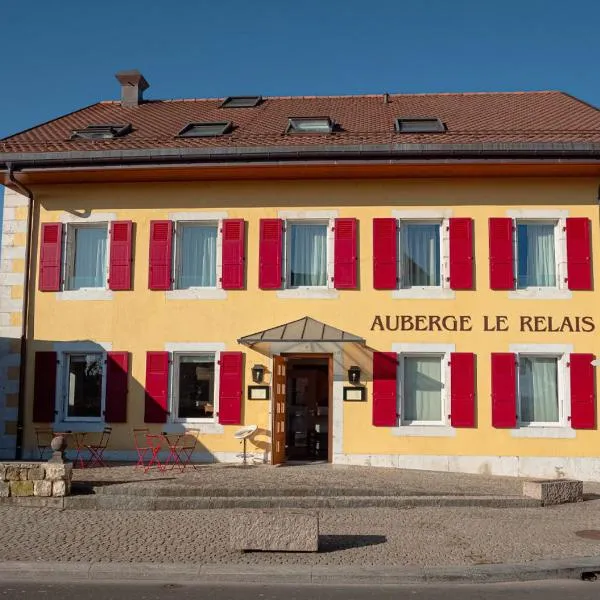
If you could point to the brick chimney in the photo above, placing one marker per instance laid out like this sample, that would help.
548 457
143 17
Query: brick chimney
133 85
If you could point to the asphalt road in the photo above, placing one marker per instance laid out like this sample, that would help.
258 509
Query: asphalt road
548 590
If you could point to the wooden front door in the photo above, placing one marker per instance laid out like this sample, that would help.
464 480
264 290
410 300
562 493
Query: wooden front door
278 425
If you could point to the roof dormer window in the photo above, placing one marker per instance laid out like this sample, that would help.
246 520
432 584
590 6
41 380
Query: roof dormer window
419 125
241 102
103 131
206 129
309 125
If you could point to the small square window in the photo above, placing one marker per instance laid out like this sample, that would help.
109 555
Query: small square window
83 396
420 125
194 386
422 389
420 254
86 256
536 254
538 389
307 252
241 102
101 132
206 129
196 247
309 125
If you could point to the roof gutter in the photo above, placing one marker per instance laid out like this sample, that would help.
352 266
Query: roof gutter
366 152
25 315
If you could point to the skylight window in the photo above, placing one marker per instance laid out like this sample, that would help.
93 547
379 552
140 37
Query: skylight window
309 125
420 125
241 101
101 131
206 129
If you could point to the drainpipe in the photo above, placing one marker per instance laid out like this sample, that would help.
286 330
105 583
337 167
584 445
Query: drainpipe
24 331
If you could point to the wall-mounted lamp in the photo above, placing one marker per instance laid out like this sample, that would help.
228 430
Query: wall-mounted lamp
354 374
258 372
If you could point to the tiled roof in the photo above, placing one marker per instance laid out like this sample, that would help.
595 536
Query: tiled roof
470 118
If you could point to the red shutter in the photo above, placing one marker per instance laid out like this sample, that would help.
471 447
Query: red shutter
583 392
345 265
157 387
579 264
270 250
502 270
117 367
385 370
385 254
161 241
462 389
234 234
44 387
230 388
50 257
504 390
119 277
461 254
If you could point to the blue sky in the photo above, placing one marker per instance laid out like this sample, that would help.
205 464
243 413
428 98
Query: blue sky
60 55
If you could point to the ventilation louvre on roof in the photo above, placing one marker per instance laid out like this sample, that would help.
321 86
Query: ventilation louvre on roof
105 131
241 101
419 125
206 129
309 125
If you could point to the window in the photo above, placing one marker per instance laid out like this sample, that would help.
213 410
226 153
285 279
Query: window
101 132
86 256
307 254
538 384
84 386
196 251
420 257
420 125
309 125
206 129
194 386
536 254
423 398
241 102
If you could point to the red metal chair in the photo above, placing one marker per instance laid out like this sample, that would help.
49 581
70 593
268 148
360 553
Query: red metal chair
96 458
142 448
172 441
154 442
43 437
188 444
77 440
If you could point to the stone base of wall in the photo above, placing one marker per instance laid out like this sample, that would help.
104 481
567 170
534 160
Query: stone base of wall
35 479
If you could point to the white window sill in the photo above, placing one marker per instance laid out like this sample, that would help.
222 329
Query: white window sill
79 426
197 294
543 432
424 431
425 292
200 427
540 294
86 294
320 293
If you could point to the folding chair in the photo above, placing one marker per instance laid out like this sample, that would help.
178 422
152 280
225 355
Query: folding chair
43 437
154 442
186 448
78 440
142 446
96 458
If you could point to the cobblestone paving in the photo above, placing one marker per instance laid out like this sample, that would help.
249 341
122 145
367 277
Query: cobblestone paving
367 537
311 476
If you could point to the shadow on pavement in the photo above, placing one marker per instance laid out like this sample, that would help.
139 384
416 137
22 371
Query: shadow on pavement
333 543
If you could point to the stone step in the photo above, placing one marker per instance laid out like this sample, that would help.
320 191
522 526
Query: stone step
130 502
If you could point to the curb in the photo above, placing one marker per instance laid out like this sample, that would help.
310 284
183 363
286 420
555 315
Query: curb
574 568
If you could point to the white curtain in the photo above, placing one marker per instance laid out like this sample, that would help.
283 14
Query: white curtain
420 244
308 255
89 265
422 388
538 385
537 266
197 256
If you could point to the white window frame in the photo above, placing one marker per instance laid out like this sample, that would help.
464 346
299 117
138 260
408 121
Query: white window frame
326 217
71 251
557 217
174 387
197 293
441 217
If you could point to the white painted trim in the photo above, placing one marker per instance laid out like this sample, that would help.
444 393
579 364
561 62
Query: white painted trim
79 426
402 348
194 347
306 293
197 294
433 293
424 431
544 432
85 294
433 214
540 294
324 215
545 213
541 348
81 346
204 428
197 216
95 217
